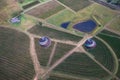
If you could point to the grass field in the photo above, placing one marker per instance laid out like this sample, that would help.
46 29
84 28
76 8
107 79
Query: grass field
118 73
106 32
7 9
52 33
58 78
115 25
78 64
76 5
103 55
46 10
63 16
43 53
113 42
61 49
26 22
15 61
25 2
102 13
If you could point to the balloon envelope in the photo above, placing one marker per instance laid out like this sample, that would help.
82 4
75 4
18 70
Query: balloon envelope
45 41
90 43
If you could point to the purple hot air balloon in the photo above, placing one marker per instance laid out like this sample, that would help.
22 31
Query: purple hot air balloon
90 43
45 41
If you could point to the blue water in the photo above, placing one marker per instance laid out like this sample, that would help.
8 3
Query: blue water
65 24
86 26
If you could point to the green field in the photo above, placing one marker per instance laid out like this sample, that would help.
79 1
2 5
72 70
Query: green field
54 34
103 55
44 11
58 78
43 53
51 12
80 65
114 42
61 17
61 50
115 25
76 5
26 21
118 73
25 2
106 32
102 13
15 61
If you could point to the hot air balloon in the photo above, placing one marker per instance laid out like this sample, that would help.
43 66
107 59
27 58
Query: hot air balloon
44 41
90 43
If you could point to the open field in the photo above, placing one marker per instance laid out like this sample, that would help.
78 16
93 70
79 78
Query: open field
114 42
43 53
30 4
115 25
103 55
103 14
46 10
61 17
9 7
80 65
58 78
15 61
76 5
106 32
61 50
54 34
25 2
26 22
3 4
91 12
118 73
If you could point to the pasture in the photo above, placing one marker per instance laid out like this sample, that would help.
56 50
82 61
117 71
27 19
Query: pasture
61 17
118 73
106 32
15 60
115 25
44 53
80 65
54 34
76 5
45 10
114 42
103 55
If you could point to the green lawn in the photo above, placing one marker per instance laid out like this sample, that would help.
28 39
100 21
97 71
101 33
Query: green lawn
76 5
15 60
61 17
52 33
